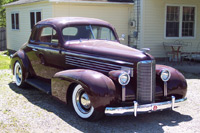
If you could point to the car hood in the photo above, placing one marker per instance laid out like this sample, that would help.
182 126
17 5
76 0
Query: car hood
107 49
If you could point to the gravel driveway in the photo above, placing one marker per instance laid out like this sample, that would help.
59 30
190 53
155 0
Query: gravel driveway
29 110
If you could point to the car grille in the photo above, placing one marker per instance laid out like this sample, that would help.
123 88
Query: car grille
145 82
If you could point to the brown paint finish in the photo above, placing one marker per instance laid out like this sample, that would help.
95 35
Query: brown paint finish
100 88
95 64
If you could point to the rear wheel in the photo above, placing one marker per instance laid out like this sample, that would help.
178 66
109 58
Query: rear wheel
82 105
18 75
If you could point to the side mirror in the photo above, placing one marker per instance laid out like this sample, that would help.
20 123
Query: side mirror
145 50
122 37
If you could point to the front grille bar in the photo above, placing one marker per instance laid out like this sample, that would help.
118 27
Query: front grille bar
146 81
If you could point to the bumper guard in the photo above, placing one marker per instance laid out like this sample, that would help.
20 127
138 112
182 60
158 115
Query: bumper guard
146 108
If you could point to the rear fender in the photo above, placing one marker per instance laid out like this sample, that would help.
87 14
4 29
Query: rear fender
100 88
23 59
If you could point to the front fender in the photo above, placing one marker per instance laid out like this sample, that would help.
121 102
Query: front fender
176 86
100 88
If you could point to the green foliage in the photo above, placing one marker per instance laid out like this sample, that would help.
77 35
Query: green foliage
4 61
3 12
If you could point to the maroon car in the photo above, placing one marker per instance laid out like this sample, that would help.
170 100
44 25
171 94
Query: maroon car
81 61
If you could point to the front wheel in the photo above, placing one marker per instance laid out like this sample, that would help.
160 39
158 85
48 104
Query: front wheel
18 75
82 105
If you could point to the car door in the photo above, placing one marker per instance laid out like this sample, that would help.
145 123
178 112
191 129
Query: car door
46 52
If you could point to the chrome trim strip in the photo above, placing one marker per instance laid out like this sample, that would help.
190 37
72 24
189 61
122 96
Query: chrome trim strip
99 58
165 88
123 93
56 51
146 108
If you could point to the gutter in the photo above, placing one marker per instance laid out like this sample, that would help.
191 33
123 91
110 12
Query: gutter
91 2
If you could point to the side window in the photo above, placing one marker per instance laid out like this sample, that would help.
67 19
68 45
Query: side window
35 16
48 35
33 37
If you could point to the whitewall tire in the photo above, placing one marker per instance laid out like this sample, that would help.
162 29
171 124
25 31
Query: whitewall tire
81 103
18 74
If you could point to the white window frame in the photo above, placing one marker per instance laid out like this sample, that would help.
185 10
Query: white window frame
35 11
15 24
180 21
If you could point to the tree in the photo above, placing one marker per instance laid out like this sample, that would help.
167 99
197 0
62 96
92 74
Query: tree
3 12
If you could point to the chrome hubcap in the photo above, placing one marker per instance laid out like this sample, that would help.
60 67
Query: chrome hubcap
83 101
18 74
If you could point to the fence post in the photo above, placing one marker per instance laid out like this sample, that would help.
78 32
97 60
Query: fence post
2 39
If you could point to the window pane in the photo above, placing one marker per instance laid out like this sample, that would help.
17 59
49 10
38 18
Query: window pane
77 33
48 35
70 31
188 21
172 29
103 33
17 20
38 16
172 23
84 32
13 21
32 19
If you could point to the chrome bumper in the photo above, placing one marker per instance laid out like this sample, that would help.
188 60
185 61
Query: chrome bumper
144 108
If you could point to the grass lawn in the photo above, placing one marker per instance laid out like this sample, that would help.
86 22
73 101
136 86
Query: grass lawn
4 60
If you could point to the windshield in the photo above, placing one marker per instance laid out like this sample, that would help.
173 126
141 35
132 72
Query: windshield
88 32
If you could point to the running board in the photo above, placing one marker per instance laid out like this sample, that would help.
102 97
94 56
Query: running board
41 85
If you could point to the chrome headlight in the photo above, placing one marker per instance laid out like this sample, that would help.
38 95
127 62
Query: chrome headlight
124 78
165 75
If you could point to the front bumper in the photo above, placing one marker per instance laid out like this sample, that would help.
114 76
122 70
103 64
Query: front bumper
144 108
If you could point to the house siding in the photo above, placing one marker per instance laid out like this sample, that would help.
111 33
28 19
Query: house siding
154 24
15 38
119 15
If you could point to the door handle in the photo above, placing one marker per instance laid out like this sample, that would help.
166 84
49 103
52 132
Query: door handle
34 49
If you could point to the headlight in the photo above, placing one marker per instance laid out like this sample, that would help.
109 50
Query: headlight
165 75
124 78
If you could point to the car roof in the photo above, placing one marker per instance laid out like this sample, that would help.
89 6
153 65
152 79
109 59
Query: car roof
65 21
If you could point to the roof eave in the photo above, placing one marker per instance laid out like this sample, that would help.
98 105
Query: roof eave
13 3
92 2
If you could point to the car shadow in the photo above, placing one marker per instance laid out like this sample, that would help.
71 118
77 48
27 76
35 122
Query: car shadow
143 123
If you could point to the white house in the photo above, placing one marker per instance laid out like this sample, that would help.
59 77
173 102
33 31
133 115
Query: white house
146 23
23 14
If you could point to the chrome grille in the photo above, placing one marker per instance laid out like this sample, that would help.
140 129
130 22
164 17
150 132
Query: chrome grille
145 81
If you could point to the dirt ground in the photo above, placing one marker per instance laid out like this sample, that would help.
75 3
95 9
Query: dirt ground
29 110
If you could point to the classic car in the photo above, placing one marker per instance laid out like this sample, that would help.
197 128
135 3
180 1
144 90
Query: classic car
81 61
